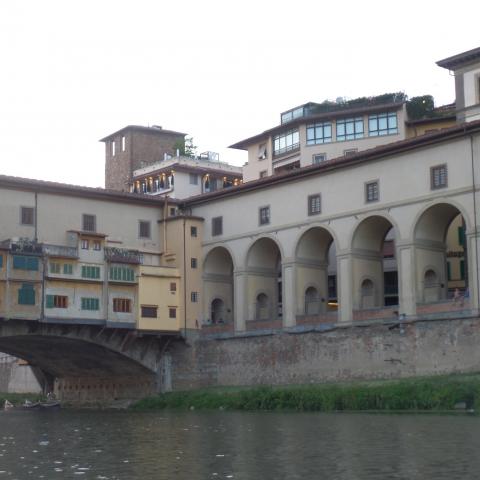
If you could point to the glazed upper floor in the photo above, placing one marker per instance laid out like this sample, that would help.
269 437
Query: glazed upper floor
314 133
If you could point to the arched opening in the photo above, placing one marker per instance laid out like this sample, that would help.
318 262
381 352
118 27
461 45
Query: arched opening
312 301
264 265
262 310
218 311
441 255
218 286
316 265
375 275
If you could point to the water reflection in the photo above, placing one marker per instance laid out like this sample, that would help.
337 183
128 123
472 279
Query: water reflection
218 445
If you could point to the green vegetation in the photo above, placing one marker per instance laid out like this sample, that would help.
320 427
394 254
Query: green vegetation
19 398
442 393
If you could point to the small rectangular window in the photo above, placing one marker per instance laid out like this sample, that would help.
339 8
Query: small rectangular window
88 223
173 287
193 179
371 192
122 305
123 143
193 231
97 245
438 177
143 229
314 204
90 303
67 269
349 152
318 158
1 261
193 262
264 215
56 301
85 244
262 151
27 216
112 148
217 226
26 294
194 297
149 312
449 271
172 312
54 267
462 269
461 236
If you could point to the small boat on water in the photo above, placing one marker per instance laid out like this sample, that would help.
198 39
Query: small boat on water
28 405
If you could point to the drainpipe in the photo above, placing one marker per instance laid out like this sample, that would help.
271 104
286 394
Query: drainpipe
184 281
475 217
35 220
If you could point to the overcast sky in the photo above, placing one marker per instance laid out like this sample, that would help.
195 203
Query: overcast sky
73 72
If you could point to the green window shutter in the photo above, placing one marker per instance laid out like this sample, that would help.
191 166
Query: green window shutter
32 263
67 268
462 269
26 294
49 302
449 271
1 261
84 271
19 262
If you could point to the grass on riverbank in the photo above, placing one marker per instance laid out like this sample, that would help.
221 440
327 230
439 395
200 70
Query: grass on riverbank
440 393
19 398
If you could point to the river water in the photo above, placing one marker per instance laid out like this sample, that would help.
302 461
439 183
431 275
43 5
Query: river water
236 445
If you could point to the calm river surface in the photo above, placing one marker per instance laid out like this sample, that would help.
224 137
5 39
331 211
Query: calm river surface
219 445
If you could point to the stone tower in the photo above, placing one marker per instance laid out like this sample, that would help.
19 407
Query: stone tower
135 147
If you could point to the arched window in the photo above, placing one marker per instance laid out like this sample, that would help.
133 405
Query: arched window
218 311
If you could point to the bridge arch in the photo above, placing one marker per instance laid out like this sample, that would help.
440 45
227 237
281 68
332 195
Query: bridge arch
88 363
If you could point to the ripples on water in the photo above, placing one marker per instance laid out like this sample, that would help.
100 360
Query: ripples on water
249 446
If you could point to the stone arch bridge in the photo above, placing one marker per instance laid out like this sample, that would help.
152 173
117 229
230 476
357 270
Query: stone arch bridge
86 363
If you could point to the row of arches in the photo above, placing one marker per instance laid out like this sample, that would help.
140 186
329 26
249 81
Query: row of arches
373 270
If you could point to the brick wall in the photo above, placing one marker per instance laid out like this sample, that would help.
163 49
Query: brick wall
425 347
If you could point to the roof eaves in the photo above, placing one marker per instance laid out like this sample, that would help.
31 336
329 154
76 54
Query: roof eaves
340 162
77 191
142 129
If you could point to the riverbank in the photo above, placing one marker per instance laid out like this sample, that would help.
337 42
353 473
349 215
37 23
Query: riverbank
19 398
440 393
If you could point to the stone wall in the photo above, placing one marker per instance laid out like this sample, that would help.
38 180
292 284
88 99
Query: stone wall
17 377
378 350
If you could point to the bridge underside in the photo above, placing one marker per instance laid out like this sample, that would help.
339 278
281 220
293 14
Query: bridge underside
87 364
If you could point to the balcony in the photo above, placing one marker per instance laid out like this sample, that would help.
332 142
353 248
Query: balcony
22 246
60 251
123 255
